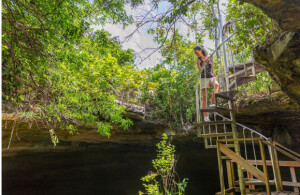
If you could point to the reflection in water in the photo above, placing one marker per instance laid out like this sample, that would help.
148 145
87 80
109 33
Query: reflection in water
111 169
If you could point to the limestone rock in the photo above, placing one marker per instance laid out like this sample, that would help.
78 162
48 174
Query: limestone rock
282 60
281 54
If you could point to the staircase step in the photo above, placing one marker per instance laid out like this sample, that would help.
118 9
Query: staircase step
217 134
215 109
241 81
232 190
241 73
213 123
228 95
214 146
238 67
255 182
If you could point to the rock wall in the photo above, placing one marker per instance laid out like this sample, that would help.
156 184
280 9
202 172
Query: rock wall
281 58
275 116
281 53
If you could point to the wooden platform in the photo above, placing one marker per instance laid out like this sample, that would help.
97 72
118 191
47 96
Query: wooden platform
228 95
215 109
274 193
214 123
242 80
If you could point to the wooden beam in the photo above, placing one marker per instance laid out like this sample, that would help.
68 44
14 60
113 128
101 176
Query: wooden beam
214 123
263 156
294 178
281 163
292 184
240 139
257 182
276 169
221 175
291 151
292 156
231 181
217 134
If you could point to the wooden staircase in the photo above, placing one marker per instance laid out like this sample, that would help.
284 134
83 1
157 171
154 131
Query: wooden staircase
247 153
232 141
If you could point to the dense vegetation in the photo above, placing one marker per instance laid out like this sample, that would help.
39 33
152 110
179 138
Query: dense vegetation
58 70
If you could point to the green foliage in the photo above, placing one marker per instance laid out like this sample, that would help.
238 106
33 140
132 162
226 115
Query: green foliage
57 70
263 84
164 180
251 25
53 136
170 86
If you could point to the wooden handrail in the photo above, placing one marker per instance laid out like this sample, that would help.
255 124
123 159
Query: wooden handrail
281 163
241 139
287 149
292 156
239 160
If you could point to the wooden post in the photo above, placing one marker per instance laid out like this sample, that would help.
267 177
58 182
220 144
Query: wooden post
236 147
197 103
263 156
221 175
294 178
276 168
198 109
232 173
229 174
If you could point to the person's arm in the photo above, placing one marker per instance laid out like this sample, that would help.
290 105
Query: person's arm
199 66
212 67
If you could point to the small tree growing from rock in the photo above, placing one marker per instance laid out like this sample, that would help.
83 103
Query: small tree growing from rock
164 180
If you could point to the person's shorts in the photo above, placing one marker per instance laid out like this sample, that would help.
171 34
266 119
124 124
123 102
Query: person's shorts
208 82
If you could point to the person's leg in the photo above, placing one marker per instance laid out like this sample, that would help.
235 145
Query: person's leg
216 86
203 91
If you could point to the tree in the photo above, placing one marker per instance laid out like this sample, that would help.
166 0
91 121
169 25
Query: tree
56 70
173 83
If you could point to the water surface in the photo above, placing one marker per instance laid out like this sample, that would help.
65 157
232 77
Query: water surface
111 169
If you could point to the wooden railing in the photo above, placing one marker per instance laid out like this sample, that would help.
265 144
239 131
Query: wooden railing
251 166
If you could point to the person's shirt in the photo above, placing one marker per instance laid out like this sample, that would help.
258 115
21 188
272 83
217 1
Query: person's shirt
208 73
